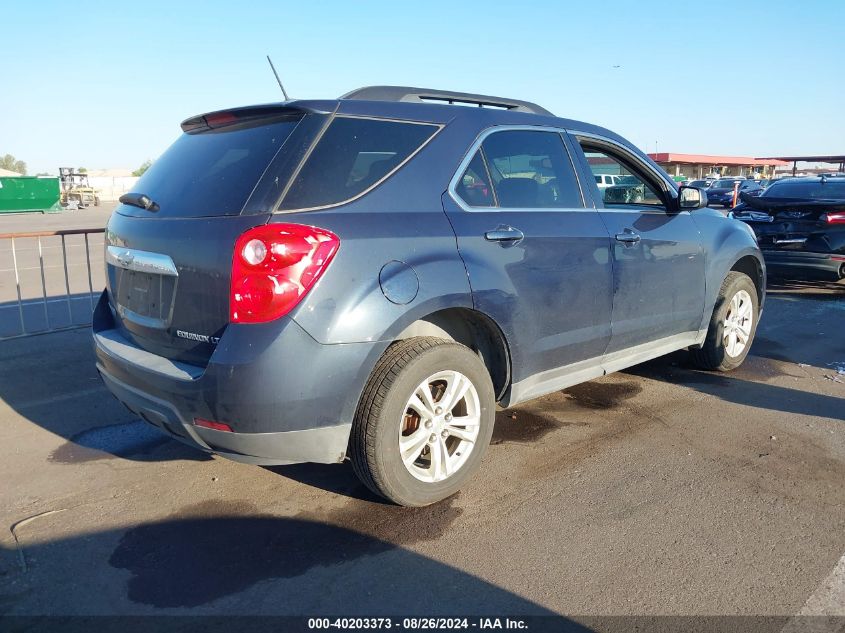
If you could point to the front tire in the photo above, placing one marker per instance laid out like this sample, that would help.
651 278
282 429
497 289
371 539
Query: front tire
732 326
424 421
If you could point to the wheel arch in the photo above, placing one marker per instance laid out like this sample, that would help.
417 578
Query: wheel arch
755 268
474 329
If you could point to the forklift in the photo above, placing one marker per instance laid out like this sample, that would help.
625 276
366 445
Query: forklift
76 192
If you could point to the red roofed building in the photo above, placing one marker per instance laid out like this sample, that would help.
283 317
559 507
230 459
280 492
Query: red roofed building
701 165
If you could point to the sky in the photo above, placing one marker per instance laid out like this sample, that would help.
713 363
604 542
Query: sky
106 84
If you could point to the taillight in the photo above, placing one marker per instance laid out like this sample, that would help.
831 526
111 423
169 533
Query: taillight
211 424
274 267
220 119
834 218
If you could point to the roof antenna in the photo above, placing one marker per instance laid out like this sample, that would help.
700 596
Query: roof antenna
277 78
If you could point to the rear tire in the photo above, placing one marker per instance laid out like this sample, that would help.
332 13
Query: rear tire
424 421
732 326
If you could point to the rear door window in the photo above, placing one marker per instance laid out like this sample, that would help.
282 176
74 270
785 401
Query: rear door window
531 170
212 172
353 156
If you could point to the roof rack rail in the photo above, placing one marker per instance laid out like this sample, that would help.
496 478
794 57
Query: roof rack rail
427 95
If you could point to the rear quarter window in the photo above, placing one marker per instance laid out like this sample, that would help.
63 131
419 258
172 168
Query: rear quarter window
353 156
531 170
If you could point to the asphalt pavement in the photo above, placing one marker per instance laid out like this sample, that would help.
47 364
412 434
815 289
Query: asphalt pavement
659 490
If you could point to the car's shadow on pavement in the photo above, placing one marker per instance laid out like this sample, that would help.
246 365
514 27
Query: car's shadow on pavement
213 551
799 308
817 289
51 380
742 386
800 323
336 478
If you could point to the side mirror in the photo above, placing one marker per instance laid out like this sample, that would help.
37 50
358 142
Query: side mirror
690 198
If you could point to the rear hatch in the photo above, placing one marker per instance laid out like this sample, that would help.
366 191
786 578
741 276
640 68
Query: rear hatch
169 264
792 223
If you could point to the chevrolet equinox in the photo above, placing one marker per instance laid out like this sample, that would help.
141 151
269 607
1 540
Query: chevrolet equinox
368 277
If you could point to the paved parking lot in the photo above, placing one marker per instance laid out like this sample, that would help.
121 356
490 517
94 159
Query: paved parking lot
660 490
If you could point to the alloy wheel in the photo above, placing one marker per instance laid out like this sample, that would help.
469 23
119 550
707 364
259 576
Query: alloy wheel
439 426
738 323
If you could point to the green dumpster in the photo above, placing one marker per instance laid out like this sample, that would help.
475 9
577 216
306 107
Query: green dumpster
29 193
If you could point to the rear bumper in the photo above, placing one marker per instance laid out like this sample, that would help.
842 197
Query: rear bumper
323 445
287 398
804 261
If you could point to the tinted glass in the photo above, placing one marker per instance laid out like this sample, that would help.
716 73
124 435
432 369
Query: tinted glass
531 170
628 188
352 156
474 187
211 173
812 189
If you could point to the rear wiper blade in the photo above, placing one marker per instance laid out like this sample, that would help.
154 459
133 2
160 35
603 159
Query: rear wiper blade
140 200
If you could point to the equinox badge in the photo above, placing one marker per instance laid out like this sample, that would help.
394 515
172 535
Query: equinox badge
202 338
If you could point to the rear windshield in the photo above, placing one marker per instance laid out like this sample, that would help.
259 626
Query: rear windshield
724 184
353 156
211 173
813 190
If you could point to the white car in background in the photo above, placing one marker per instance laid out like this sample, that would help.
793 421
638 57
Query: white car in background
606 180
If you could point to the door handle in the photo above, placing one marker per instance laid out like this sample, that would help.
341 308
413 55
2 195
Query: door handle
504 234
627 237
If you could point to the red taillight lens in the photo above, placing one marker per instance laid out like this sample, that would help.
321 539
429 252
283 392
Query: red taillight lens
834 218
274 266
211 424
221 118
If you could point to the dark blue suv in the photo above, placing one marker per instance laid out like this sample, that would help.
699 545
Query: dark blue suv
367 277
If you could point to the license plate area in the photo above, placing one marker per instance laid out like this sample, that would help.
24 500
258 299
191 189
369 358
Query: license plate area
143 286
144 298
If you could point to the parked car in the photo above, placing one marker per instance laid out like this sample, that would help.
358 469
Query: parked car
627 190
367 277
701 184
603 181
800 225
721 192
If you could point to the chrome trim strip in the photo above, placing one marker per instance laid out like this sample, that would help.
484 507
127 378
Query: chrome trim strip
631 155
141 261
558 378
452 189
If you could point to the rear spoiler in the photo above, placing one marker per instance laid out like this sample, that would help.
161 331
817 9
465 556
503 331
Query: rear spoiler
776 204
220 118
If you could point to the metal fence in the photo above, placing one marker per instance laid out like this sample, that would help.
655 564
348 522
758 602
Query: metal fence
33 310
